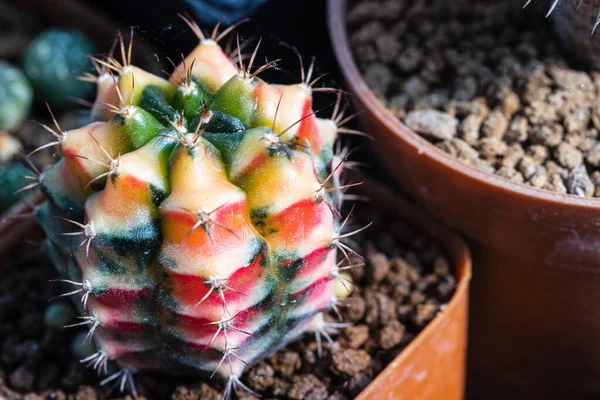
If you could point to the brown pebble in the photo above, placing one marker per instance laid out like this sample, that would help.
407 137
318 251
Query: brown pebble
417 298
491 147
441 266
261 377
401 290
539 177
596 181
446 288
513 156
414 88
307 387
579 182
469 129
378 265
425 313
540 113
356 335
432 123
406 270
553 168
387 47
592 157
391 335
409 59
22 379
528 166
356 309
495 125
577 120
280 387
459 148
556 184
550 136
186 392
538 152
88 393
482 165
510 173
511 104
568 156
287 362
379 77
517 130
350 362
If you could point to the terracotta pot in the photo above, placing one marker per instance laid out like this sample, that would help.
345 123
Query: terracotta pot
431 367
534 325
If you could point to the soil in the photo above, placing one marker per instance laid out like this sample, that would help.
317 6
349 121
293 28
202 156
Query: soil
406 281
486 82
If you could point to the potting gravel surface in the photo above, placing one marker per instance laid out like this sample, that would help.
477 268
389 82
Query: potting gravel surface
487 83
406 281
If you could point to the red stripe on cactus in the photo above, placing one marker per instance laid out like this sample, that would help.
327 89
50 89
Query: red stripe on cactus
316 297
240 291
211 333
115 327
256 162
299 222
308 130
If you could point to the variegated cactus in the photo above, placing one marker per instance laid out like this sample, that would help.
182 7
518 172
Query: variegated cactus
197 217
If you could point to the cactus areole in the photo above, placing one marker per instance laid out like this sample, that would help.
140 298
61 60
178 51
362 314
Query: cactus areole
196 219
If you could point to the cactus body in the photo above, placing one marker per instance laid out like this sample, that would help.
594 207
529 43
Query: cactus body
16 97
53 60
196 216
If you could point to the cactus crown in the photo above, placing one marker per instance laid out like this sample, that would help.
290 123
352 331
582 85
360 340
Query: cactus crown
197 217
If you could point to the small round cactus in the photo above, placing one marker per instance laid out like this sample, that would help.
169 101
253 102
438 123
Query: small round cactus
52 62
198 218
16 96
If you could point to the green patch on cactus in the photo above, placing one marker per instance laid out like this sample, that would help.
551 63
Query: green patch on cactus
190 98
138 127
140 242
223 123
226 143
154 101
235 98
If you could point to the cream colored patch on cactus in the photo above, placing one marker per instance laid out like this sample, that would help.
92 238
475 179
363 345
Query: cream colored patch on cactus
133 81
210 65
106 94
295 101
142 165
87 146
328 130
196 172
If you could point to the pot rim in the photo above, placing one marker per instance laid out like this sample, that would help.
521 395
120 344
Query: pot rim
336 20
